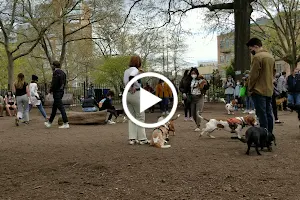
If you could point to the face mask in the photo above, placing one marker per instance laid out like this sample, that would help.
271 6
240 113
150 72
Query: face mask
253 52
194 76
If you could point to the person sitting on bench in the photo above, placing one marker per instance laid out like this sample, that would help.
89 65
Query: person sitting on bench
90 104
10 102
106 104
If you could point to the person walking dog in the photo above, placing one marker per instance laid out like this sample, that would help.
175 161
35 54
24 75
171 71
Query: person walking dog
58 84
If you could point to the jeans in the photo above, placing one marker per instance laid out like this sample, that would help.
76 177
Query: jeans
58 104
90 109
264 111
164 105
197 106
274 106
294 102
187 108
23 107
249 103
229 97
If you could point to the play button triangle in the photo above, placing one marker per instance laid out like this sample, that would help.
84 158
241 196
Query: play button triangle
147 100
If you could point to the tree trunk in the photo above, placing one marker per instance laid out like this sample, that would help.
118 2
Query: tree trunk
242 13
10 69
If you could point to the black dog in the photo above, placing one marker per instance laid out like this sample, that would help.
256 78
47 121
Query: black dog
260 137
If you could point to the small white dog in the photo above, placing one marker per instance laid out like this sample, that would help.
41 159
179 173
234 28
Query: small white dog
229 106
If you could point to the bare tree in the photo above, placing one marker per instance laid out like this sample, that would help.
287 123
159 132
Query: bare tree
168 11
282 30
17 36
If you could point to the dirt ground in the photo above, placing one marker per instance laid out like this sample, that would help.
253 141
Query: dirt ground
96 162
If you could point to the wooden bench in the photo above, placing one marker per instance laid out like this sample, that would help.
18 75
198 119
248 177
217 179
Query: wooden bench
85 118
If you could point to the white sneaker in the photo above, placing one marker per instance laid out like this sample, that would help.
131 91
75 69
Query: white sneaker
65 125
143 142
252 112
163 113
47 124
246 111
131 142
197 129
110 122
167 112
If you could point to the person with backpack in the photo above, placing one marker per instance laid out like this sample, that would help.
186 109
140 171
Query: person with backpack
229 86
106 104
185 89
35 97
90 104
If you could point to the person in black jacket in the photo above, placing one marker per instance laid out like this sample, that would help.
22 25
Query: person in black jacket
59 80
293 88
90 104
185 88
106 104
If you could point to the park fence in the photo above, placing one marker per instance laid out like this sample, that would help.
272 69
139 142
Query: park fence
100 90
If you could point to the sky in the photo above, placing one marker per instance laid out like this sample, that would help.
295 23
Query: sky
202 46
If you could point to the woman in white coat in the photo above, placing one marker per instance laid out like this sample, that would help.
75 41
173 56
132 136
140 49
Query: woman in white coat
34 96
136 133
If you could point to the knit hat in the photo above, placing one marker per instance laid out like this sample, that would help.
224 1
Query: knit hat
34 78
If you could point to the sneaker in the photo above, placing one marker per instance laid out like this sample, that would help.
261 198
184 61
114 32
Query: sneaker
65 125
252 112
278 122
246 111
17 121
191 119
197 129
124 119
185 119
110 122
131 142
143 142
47 124
167 112
163 113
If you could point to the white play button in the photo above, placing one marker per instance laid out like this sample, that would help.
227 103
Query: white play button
147 100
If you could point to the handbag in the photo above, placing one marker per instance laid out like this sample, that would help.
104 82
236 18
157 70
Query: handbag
243 91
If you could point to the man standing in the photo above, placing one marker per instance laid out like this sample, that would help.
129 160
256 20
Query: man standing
281 87
57 89
260 85
293 87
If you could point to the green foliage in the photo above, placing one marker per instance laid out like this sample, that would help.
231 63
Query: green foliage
21 65
230 69
111 71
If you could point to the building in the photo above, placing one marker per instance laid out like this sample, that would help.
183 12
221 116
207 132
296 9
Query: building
225 44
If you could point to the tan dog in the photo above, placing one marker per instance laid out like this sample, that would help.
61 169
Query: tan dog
235 124
160 135
279 102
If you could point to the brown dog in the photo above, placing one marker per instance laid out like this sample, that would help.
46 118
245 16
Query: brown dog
279 102
160 135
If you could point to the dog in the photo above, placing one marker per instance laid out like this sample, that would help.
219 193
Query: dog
170 124
234 125
279 102
260 137
160 135
229 106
